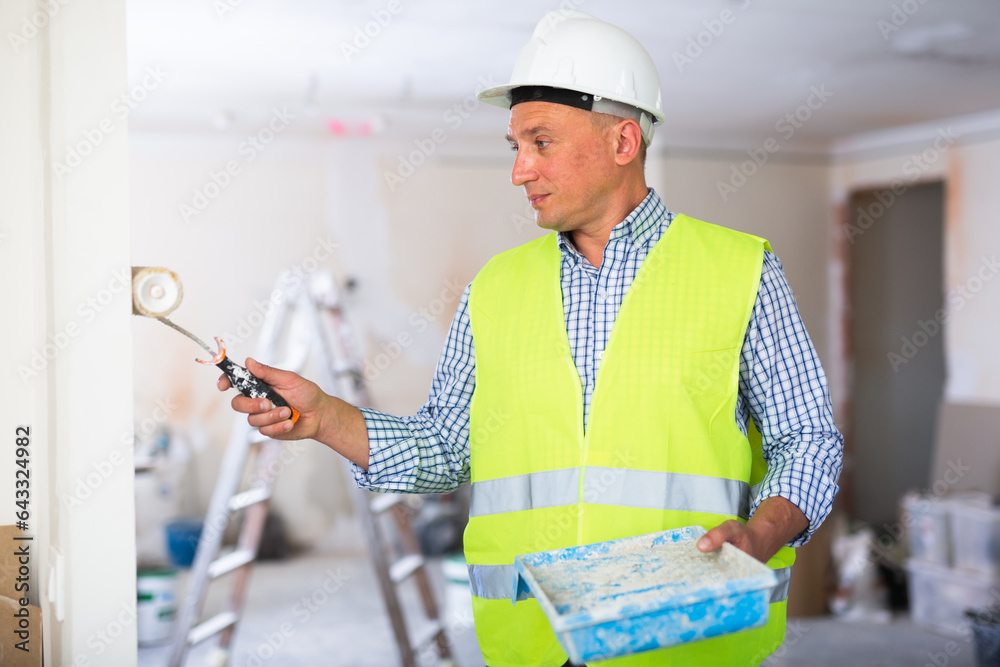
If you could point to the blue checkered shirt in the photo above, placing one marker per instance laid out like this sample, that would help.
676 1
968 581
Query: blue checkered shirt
782 386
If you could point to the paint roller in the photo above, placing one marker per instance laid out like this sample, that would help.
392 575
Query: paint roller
156 292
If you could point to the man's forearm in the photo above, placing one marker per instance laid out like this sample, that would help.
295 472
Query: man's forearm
342 429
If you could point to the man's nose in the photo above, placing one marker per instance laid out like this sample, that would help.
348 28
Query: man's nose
523 170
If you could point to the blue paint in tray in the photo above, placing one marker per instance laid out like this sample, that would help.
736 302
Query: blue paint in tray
640 593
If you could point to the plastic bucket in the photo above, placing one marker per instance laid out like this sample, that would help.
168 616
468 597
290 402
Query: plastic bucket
182 540
986 632
156 605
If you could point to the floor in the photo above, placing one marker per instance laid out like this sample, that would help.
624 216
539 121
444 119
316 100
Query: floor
326 610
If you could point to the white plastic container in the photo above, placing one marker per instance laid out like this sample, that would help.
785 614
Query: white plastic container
939 596
926 521
156 606
975 538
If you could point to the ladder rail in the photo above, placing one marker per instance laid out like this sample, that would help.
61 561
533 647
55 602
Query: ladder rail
210 541
252 530
337 354
412 547
338 383
217 517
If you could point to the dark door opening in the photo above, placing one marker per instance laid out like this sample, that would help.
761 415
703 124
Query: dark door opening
897 347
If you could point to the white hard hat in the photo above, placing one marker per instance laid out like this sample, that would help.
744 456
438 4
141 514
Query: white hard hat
573 51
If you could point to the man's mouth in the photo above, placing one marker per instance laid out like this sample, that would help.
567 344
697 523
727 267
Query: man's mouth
535 200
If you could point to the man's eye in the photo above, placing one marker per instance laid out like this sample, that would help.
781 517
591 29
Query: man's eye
542 143
513 147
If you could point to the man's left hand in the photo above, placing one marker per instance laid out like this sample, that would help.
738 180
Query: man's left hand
776 522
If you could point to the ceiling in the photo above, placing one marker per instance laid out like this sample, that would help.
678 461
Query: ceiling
883 63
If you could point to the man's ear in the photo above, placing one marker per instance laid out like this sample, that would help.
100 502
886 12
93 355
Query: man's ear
628 141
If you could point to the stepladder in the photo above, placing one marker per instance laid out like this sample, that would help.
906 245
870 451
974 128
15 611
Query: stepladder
308 323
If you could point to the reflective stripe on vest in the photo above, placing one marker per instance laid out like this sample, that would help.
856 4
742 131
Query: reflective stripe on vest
612 486
496 582
537 490
780 592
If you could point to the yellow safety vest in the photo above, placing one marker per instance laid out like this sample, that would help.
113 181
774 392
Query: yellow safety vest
662 448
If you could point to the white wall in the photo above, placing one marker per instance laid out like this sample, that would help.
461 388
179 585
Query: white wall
64 264
973 250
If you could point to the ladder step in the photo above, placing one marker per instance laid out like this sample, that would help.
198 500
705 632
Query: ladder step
385 501
248 498
427 634
404 567
212 626
230 562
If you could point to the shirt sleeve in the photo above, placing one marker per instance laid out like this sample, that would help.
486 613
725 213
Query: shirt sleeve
783 389
428 452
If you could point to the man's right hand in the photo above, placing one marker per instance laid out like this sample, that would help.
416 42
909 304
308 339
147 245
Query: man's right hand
276 423
322 417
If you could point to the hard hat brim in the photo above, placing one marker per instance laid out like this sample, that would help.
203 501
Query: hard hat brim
499 96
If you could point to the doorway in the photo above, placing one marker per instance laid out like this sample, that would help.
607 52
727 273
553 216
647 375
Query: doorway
897 349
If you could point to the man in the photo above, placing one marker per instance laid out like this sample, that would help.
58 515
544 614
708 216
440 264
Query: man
607 380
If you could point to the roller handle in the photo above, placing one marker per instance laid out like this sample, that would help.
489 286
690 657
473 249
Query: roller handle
252 386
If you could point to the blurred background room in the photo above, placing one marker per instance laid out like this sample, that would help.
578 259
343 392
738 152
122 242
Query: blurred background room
277 156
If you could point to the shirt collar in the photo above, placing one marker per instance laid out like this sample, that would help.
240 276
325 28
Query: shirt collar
642 225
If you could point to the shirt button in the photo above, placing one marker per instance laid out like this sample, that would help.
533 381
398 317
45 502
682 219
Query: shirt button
602 296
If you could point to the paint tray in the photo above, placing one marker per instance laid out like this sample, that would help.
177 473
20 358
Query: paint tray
640 593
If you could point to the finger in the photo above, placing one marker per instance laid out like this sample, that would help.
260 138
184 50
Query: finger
272 376
269 418
715 538
277 430
251 406
224 383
